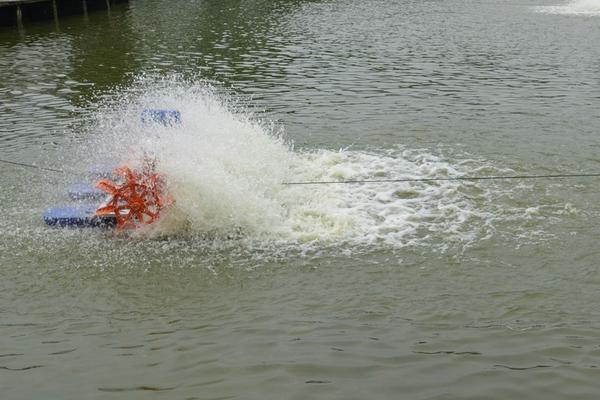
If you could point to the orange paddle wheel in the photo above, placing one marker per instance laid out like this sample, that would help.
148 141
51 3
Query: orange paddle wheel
137 200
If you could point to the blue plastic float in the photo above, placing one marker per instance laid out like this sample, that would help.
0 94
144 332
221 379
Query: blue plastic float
85 191
86 198
77 216
164 117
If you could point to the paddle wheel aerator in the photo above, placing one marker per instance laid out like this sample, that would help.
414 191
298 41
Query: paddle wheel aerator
137 200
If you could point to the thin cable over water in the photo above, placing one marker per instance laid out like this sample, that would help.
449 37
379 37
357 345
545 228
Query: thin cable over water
458 178
32 166
358 182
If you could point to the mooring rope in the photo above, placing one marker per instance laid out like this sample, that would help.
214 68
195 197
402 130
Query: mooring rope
458 178
401 180
32 166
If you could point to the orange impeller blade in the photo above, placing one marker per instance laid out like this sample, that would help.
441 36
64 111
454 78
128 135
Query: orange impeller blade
140 195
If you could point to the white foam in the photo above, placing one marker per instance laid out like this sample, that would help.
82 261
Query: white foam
579 7
225 169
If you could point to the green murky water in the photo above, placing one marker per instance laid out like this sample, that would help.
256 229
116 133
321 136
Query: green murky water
418 291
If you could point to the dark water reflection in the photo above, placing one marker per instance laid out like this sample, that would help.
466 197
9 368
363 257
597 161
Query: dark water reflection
333 71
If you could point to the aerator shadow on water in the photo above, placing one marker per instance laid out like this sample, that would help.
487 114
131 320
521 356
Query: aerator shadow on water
118 196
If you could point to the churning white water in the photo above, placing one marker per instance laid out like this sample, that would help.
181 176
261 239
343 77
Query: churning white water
578 7
227 171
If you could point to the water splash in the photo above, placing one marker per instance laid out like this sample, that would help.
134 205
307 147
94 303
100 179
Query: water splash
225 167
579 7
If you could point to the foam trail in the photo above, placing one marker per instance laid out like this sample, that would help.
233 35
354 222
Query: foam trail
225 168
579 7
